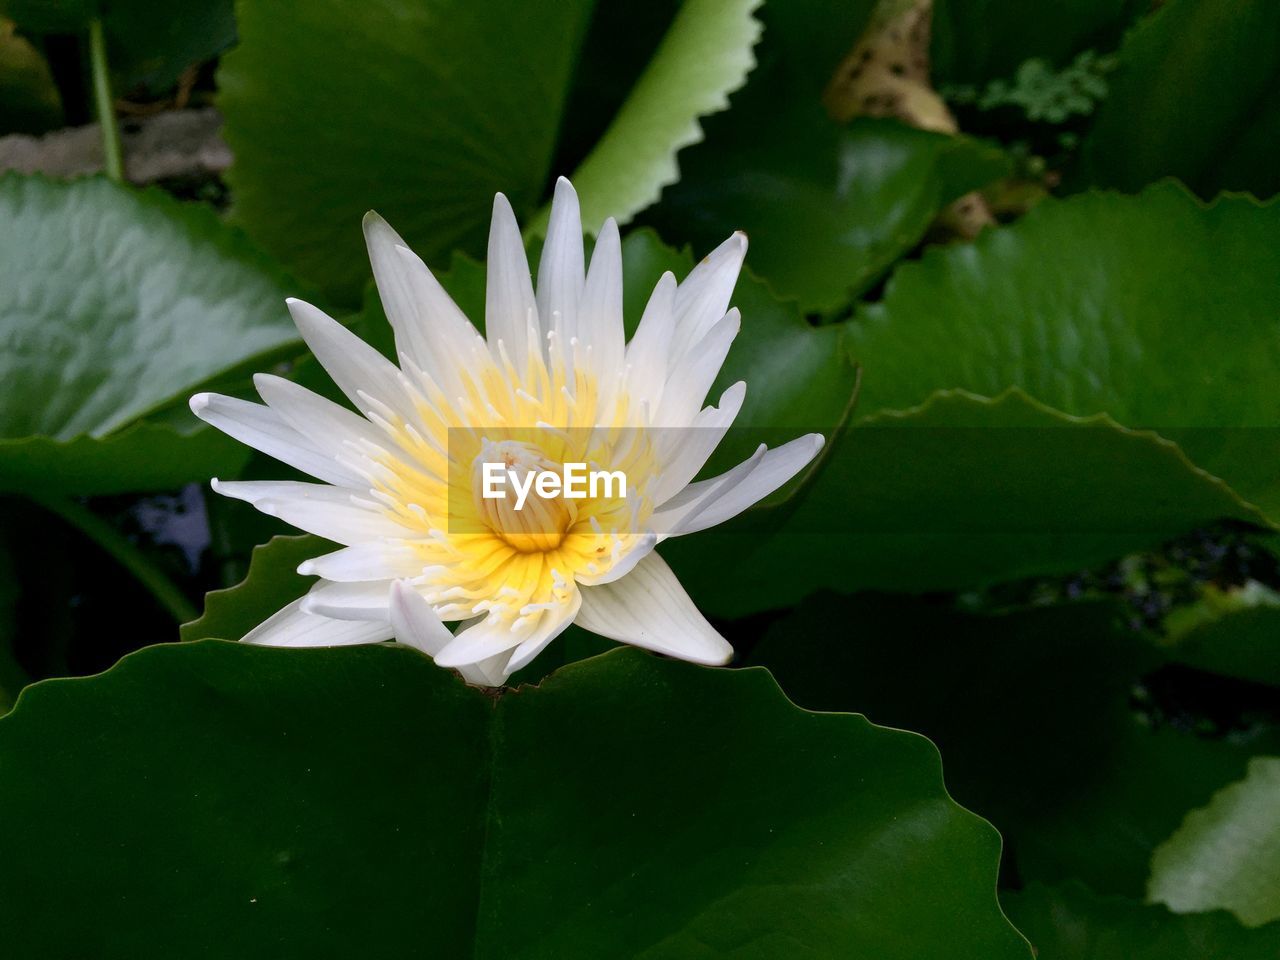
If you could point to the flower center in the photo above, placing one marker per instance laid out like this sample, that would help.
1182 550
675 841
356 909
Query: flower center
525 519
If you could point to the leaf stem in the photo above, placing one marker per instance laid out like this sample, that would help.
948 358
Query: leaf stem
124 551
104 102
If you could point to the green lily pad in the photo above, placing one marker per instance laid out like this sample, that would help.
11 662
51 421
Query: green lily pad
1197 97
1073 923
1156 310
1030 710
115 304
451 103
1226 856
363 801
960 491
1105 315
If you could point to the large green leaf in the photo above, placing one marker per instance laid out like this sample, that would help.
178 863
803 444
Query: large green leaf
1030 710
143 456
1197 97
960 491
704 56
1072 923
113 304
364 802
828 208
1226 856
976 41
1156 310
421 111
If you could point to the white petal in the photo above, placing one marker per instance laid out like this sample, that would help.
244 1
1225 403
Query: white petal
265 430
704 296
509 308
359 370
560 272
691 447
600 313
693 374
723 498
678 512
479 640
648 352
416 625
415 622
395 288
370 600
370 560
291 627
336 429
329 512
448 337
650 609
553 623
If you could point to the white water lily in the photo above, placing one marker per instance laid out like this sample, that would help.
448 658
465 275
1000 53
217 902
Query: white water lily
553 382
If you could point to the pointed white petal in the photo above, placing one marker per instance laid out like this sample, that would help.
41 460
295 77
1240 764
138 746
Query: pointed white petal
677 513
355 366
447 336
509 310
415 622
370 600
395 288
370 560
416 625
335 429
329 512
560 272
553 623
723 498
265 430
479 640
648 352
291 627
600 313
695 372
650 609
690 448
704 296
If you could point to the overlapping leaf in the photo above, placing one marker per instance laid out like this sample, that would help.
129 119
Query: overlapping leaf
1226 856
1030 710
115 304
364 801
1197 97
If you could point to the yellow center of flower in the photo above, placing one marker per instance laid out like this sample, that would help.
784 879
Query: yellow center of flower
482 555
